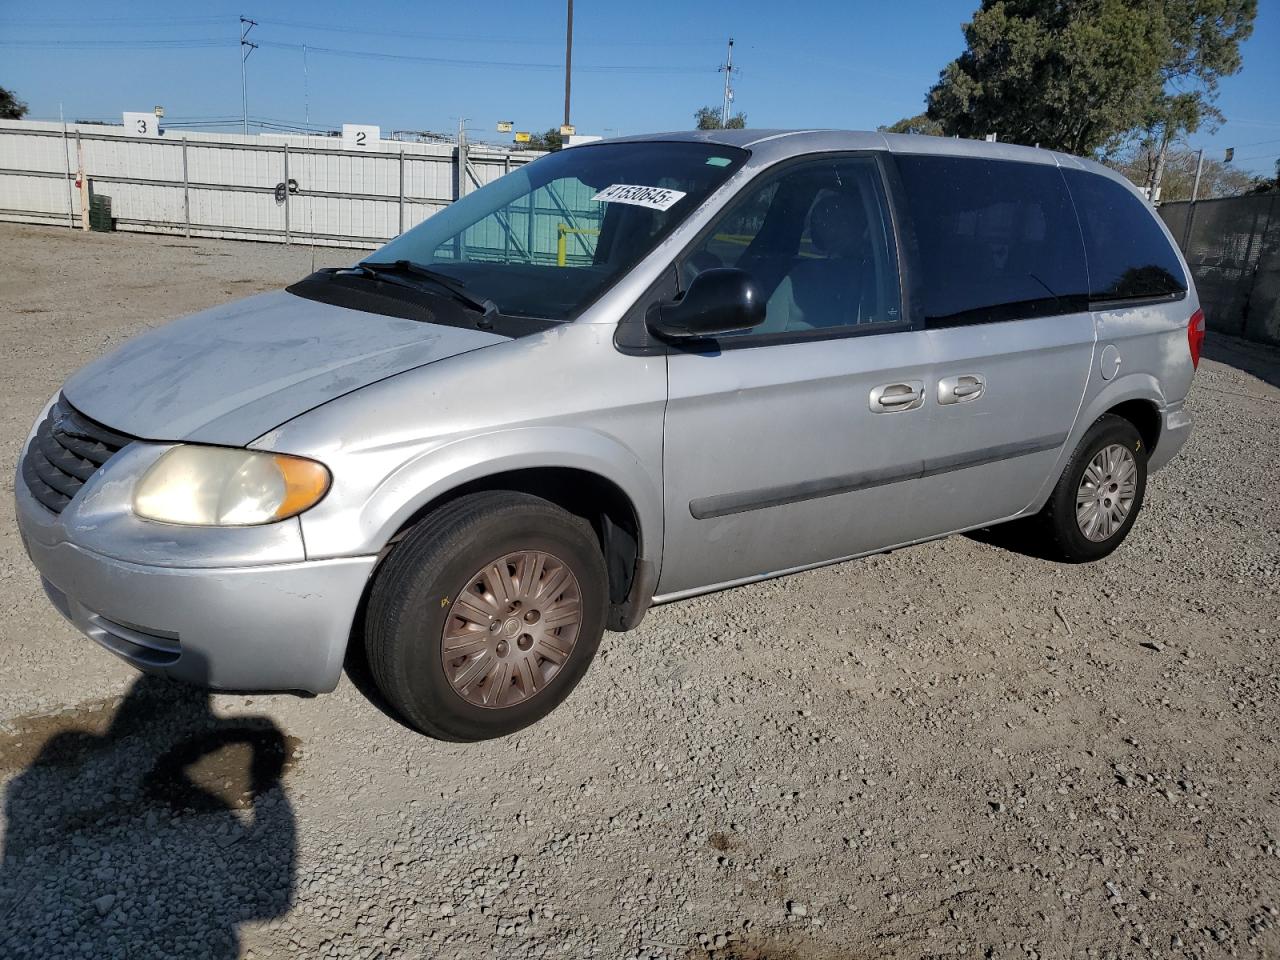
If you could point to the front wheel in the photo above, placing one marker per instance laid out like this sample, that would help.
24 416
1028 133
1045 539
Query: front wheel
1099 494
485 617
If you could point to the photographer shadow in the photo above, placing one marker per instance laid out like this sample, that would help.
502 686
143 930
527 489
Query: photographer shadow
157 837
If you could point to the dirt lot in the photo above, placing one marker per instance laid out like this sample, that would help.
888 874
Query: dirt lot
951 750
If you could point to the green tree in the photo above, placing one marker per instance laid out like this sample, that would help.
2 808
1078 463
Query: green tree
1203 45
11 108
1090 74
708 118
1217 179
551 140
1067 76
920 123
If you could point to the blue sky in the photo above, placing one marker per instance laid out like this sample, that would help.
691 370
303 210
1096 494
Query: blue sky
638 67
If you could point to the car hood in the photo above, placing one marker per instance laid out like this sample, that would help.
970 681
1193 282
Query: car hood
230 374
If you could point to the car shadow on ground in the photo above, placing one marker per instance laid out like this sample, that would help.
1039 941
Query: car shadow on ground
154 829
1256 359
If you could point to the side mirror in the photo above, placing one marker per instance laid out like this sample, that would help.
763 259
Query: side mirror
720 300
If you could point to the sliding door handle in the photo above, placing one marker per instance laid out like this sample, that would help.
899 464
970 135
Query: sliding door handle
961 389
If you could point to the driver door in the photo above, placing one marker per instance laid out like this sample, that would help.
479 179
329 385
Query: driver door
800 442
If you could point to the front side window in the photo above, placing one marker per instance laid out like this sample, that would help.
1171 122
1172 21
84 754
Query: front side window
1129 255
998 240
816 240
548 238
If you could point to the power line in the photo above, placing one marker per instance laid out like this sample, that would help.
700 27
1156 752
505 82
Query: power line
209 42
460 62
190 43
479 38
1258 143
121 21
109 22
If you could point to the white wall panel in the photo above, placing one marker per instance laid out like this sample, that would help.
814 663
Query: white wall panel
232 181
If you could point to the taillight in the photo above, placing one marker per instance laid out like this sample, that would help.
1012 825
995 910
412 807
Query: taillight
1195 336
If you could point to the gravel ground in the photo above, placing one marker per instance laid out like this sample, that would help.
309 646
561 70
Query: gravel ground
887 758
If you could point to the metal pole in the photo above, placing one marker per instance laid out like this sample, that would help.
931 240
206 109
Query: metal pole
506 236
531 234
461 186
246 48
306 90
66 157
458 250
288 234
568 61
728 86
84 185
1195 190
186 190
401 191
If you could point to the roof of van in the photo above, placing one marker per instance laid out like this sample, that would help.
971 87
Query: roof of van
771 145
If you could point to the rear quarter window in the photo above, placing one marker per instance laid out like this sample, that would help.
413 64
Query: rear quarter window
997 239
1128 254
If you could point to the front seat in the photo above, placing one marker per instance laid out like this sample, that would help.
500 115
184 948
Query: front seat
836 288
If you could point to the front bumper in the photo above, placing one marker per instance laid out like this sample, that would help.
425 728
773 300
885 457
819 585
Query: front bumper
270 626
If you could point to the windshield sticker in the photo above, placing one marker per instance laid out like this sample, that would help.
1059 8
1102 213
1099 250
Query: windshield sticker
655 198
718 161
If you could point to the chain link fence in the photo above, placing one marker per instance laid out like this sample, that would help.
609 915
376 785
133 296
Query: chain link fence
1233 249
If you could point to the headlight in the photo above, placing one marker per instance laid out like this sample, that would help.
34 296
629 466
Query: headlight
224 487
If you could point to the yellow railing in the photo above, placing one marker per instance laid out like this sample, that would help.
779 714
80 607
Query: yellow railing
563 230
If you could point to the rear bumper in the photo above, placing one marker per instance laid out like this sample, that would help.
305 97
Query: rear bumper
281 626
1175 428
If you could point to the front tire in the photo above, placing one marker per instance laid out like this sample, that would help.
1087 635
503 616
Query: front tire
1099 495
486 615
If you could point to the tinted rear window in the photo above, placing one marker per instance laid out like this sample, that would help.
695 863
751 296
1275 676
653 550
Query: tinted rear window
998 240
1129 255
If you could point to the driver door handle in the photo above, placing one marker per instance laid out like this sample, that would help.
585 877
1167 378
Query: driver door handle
897 397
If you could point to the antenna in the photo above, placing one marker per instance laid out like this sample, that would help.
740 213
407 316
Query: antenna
246 48
728 71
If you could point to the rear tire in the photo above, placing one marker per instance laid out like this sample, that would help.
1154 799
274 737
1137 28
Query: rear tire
1099 495
486 615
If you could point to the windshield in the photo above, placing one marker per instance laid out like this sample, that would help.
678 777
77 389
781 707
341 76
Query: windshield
548 238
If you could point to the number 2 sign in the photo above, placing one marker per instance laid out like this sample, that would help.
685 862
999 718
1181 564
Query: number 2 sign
141 125
359 136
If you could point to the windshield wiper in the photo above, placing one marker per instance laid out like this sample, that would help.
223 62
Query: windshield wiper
486 307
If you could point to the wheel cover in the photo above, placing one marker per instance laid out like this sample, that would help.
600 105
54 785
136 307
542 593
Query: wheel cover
1106 492
512 629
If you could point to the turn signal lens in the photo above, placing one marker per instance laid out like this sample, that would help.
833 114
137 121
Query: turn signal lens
225 487
1195 337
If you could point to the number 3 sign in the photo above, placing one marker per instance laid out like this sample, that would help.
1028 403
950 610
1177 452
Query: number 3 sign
141 125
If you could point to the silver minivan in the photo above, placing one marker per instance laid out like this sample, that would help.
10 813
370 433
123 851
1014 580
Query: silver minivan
624 374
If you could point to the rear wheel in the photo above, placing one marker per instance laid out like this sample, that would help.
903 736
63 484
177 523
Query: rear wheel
1099 495
486 616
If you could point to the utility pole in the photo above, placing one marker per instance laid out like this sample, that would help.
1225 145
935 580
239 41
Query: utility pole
568 59
727 70
1195 190
306 94
246 48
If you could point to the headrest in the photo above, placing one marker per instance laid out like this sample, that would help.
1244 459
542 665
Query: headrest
838 225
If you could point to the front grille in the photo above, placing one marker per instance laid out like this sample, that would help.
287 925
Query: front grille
66 450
